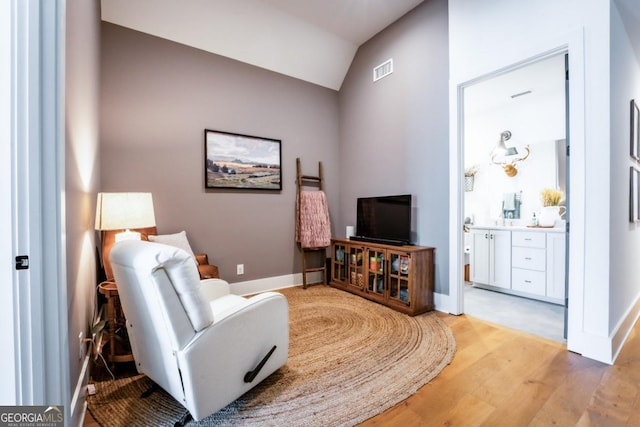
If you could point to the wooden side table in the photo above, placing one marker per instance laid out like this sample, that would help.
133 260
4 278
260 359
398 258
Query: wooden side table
115 318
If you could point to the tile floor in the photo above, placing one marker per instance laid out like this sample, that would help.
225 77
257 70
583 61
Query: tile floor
536 317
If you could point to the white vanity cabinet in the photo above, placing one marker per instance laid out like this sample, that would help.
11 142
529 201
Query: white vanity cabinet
490 262
556 266
529 262
538 264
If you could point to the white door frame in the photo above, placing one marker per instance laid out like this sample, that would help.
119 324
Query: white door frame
36 209
7 335
573 44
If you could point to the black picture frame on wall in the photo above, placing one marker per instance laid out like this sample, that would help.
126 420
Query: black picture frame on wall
634 194
242 162
635 130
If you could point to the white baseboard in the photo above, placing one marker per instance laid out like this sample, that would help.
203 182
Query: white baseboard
623 329
78 406
272 283
441 302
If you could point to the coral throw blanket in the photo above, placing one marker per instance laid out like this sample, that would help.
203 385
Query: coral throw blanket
313 228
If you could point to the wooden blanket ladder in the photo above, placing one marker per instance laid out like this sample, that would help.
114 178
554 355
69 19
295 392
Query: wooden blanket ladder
317 181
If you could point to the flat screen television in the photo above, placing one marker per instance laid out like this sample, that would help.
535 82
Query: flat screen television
384 219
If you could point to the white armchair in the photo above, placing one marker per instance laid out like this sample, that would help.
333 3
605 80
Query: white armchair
203 345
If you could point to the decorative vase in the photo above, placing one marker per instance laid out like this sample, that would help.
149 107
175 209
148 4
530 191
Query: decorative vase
549 215
468 182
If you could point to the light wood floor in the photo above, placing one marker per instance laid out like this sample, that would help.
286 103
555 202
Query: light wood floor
502 377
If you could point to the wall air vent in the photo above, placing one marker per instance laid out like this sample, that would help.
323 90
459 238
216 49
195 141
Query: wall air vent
383 70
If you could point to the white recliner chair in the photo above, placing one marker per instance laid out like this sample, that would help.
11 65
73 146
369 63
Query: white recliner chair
203 345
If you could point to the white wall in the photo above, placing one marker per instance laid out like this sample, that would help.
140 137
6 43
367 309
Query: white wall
497 34
625 236
536 122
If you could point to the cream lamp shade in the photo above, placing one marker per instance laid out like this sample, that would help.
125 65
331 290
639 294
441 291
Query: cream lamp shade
122 211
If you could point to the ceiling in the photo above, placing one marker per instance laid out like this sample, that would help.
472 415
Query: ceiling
530 83
312 40
630 13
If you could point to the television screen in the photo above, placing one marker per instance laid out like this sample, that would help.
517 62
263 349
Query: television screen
385 219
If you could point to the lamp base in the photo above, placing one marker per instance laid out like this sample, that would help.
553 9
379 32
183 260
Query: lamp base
128 235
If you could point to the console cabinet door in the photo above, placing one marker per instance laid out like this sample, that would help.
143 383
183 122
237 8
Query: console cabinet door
355 278
399 277
339 264
376 270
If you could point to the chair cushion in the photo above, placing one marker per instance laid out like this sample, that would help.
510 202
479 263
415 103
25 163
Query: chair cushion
184 277
179 266
179 240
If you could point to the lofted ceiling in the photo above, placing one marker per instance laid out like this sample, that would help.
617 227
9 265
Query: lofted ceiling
311 40
630 13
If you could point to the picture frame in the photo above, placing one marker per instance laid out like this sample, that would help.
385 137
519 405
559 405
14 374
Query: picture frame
634 194
635 130
241 162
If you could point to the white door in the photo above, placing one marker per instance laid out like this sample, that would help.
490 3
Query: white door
479 259
7 336
35 353
500 256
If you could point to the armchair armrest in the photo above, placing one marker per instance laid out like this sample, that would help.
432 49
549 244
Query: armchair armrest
215 288
218 358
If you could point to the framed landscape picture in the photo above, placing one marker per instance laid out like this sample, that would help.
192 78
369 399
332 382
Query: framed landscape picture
242 161
634 194
635 130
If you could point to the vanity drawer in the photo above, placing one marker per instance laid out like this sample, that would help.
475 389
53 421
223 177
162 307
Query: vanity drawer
529 281
529 258
529 239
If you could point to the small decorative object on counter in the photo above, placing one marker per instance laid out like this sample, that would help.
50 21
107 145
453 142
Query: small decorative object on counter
550 211
551 197
534 220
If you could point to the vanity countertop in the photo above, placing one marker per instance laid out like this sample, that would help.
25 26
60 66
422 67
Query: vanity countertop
556 229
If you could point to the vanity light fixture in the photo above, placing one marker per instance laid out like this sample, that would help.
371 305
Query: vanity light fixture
507 157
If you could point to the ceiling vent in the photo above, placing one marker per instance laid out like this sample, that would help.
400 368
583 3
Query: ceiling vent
383 70
526 92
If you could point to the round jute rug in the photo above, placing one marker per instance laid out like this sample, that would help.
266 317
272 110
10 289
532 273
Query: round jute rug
349 359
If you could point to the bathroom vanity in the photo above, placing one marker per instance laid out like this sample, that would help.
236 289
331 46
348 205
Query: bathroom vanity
524 261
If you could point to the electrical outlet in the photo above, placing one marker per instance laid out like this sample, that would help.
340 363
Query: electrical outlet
91 389
240 269
80 345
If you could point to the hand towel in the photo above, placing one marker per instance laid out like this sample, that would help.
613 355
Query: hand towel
509 202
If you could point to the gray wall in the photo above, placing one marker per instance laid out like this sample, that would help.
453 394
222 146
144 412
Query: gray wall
157 97
394 132
82 168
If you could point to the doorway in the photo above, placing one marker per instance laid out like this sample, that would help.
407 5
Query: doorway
515 135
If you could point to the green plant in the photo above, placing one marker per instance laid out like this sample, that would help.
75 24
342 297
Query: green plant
550 197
